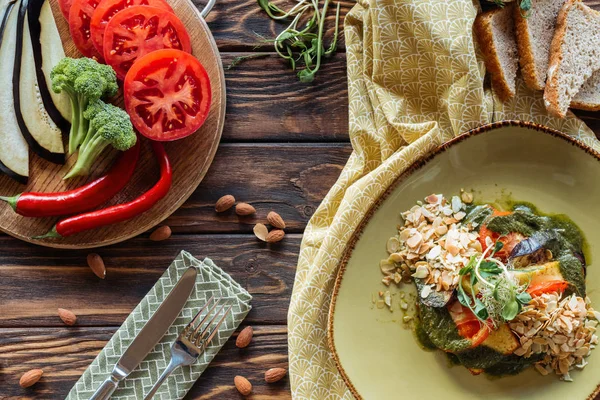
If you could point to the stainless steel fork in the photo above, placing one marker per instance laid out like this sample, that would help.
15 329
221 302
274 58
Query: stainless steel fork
192 342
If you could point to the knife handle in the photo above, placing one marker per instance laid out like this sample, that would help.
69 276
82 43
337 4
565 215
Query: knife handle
106 389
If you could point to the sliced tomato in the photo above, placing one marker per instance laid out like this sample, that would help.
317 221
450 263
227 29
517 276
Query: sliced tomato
509 241
80 15
136 31
467 324
167 94
65 7
108 8
547 287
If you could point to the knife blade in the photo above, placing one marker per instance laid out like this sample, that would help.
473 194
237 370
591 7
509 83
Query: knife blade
150 335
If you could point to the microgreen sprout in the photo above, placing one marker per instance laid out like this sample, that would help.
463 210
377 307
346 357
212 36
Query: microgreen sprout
499 296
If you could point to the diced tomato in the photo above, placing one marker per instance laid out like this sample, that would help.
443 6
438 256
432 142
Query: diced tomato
547 287
467 324
167 94
80 15
509 241
108 8
139 30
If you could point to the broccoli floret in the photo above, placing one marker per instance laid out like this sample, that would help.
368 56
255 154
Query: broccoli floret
108 125
84 80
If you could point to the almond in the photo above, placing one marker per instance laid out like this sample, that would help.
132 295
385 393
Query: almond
30 377
68 317
276 220
274 374
261 232
275 236
243 385
96 264
161 233
245 337
224 203
244 209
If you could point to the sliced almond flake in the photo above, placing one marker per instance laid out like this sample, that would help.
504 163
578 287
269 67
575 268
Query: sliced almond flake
426 291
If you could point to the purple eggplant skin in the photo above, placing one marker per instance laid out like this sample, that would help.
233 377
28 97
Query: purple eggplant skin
539 240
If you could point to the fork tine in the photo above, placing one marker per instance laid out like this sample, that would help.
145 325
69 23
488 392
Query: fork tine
199 329
193 321
208 314
217 326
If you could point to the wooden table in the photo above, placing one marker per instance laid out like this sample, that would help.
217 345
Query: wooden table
283 146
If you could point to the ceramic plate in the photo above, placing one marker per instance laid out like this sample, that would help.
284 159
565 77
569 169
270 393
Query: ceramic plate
378 357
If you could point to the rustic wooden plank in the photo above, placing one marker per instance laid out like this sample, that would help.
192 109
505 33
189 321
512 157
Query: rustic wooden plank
241 25
291 179
267 102
65 353
36 281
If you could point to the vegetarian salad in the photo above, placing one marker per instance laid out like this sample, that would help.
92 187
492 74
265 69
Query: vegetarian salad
498 291
140 47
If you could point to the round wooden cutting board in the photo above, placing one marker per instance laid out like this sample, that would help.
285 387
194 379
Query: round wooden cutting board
190 157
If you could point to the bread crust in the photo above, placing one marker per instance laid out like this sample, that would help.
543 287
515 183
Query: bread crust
556 56
483 33
585 106
526 55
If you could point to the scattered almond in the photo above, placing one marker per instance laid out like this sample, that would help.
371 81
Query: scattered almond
96 264
244 209
245 337
274 374
224 203
242 385
276 220
161 233
261 232
275 236
30 377
68 317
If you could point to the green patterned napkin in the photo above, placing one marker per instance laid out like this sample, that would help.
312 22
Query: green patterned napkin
211 281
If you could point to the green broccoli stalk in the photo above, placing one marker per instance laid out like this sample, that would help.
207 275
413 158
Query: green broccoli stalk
108 125
83 80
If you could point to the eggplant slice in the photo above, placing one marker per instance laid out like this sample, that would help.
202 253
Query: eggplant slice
41 133
47 52
14 152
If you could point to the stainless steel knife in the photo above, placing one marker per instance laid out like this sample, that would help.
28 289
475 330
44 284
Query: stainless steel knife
150 335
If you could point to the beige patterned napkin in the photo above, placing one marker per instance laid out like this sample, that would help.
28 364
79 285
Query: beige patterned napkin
211 280
415 79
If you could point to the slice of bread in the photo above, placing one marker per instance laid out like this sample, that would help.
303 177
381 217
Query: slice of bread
588 97
534 33
495 33
574 55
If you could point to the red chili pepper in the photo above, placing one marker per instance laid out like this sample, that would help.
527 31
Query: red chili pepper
121 212
84 198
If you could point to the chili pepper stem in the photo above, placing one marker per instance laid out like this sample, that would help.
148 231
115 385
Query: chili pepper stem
51 234
12 201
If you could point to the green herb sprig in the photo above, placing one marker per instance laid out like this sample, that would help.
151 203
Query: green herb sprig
502 297
303 47
524 6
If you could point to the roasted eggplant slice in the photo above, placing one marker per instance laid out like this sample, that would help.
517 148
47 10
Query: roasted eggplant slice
539 240
47 52
41 133
14 152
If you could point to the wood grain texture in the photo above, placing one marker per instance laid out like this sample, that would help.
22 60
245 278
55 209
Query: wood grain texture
291 179
61 278
266 102
190 157
64 353
241 25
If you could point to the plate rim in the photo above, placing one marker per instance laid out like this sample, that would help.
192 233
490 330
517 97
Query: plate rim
182 199
414 167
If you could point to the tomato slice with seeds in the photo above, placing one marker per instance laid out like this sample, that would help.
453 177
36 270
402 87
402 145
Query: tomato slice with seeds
108 8
167 94
547 287
136 31
65 7
467 324
80 15
509 241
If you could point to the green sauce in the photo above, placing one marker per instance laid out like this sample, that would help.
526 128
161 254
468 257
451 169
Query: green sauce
441 330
